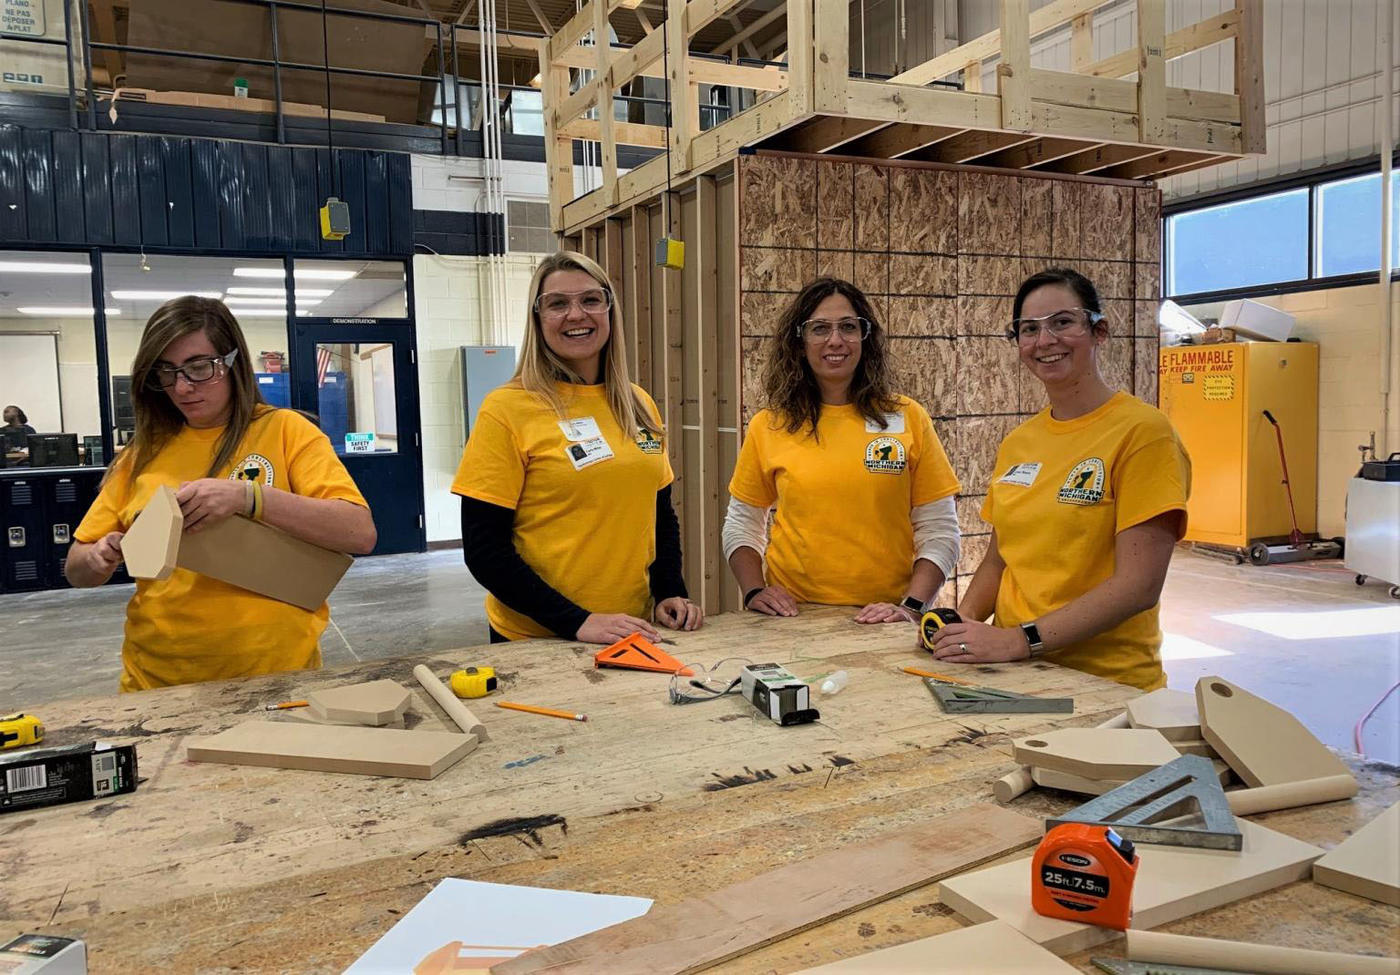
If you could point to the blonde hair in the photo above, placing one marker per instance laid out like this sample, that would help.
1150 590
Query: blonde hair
158 419
540 369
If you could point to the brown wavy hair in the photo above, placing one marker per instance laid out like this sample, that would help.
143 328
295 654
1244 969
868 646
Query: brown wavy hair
158 419
792 391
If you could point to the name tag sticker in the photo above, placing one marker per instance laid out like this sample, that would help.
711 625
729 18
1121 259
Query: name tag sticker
1023 475
581 429
588 452
895 421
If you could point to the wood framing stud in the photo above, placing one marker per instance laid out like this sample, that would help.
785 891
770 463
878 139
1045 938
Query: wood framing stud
1249 74
1152 70
1013 70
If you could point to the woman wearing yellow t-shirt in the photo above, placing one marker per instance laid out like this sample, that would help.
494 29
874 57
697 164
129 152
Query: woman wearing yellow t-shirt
203 429
565 482
1088 499
863 491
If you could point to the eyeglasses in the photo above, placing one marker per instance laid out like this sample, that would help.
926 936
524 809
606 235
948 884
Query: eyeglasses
195 371
819 330
556 304
1067 321
706 680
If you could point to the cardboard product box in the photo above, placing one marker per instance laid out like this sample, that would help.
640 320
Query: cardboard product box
1256 320
35 777
43 954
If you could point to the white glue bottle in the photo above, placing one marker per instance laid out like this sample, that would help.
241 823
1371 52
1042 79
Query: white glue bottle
834 683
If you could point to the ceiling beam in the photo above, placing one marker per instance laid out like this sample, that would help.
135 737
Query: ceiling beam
539 15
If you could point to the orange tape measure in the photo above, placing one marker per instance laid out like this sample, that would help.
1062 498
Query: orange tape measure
1084 873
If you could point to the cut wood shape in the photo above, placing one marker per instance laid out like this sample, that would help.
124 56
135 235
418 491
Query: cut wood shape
361 751
1096 753
706 930
1197 746
1051 779
1172 882
994 948
1173 713
1263 743
1173 952
376 703
237 550
1367 863
304 716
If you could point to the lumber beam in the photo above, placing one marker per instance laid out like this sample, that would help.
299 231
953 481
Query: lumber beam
971 145
709 254
1035 153
579 102
625 133
1155 166
826 133
800 53
831 66
544 23
1081 42
894 141
604 95
1203 34
1100 157
1249 74
559 147
682 94
1152 70
1014 68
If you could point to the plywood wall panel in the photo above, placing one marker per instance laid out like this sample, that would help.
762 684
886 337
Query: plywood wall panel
1113 279
1116 363
923 274
989 376
989 214
1145 319
923 211
836 264
984 315
1147 224
1106 222
779 203
970 511
872 273
760 311
1148 285
925 370
978 439
974 550
1067 198
982 275
1037 217
872 203
836 217
775 268
923 317
1145 366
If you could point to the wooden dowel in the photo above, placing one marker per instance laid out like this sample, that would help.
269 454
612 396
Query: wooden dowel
1176 949
456 710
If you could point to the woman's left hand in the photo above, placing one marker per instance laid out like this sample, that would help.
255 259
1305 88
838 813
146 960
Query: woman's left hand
979 643
884 613
210 500
679 613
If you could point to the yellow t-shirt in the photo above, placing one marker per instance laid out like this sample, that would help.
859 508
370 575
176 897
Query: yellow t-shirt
842 533
584 497
190 627
1063 491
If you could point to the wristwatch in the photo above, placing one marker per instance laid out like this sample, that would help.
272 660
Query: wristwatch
1033 638
913 603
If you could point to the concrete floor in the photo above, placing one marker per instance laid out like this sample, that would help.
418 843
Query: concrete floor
1304 636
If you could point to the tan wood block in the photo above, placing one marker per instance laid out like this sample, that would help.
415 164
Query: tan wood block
1096 753
1197 746
1172 882
1368 862
1051 779
361 751
375 703
993 948
304 716
1263 743
1173 713
151 546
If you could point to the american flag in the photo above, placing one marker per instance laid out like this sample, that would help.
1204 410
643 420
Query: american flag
323 364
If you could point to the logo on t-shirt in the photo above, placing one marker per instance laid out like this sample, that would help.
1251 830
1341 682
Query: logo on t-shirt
884 455
648 442
254 467
1084 484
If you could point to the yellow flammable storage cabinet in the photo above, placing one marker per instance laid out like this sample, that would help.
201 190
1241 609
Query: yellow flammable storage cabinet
1215 396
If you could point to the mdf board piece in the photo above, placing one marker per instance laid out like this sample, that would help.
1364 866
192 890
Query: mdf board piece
1181 950
376 703
1172 882
1195 746
304 716
461 716
1263 743
315 748
1173 713
1068 782
237 550
1096 753
994 948
1367 863
709 929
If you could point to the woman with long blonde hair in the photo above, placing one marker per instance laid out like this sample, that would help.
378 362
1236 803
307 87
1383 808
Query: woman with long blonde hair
203 429
565 483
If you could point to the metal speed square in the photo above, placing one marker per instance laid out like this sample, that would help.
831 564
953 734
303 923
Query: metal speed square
1139 809
1116 966
969 699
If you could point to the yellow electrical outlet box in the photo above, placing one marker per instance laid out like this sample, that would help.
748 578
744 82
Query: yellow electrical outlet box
335 219
670 253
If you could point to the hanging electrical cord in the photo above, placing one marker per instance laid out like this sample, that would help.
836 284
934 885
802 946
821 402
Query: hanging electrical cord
862 38
666 60
330 129
1361 725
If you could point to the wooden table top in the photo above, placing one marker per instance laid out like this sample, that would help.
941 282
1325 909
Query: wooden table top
216 866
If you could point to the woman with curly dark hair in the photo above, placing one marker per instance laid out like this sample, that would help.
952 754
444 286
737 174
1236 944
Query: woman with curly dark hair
862 487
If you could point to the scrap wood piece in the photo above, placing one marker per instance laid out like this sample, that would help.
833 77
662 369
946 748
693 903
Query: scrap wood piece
1181 950
1096 753
304 716
1051 779
376 702
460 714
318 748
991 947
1263 743
1367 863
712 928
1173 882
1173 713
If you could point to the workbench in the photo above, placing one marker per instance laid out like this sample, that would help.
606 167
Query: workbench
267 870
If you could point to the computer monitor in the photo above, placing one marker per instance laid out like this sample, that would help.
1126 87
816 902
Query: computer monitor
92 452
53 450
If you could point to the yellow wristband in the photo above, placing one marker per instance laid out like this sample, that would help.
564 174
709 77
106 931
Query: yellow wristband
257 500
249 501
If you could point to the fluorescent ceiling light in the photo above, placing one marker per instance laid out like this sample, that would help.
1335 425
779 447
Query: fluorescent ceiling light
237 293
234 300
302 273
259 312
163 295
59 311
39 267
267 304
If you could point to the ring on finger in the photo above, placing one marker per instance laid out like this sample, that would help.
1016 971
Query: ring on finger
962 648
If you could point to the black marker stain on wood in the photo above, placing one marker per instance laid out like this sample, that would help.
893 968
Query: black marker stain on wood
648 807
594 676
799 769
731 781
933 910
866 929
530 826
838 761
729 717
973 736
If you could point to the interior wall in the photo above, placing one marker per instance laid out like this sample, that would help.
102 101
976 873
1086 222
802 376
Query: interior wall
941 252
77 371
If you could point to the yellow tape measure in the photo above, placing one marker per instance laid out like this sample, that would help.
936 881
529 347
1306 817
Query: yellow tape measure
933 621
473 682
17 730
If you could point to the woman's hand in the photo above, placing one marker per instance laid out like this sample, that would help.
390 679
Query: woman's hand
608 628
773 601
885 613
679 613
106 553
979 643
210 500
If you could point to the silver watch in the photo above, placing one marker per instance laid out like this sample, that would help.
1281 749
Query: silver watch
1033 638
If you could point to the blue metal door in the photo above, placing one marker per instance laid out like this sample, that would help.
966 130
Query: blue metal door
359 380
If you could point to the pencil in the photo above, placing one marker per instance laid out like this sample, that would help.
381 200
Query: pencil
928 673
284 705
548 712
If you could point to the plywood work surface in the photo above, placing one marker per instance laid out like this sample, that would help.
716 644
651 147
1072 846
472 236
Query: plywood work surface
215 867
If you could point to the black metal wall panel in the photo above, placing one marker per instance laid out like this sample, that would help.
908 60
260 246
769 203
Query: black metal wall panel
376 204
150 184
97 189
400 180
38 185
352 189
306 234
204 182
13 224
257 213
68 188
230 189
126 201
282 198
179 191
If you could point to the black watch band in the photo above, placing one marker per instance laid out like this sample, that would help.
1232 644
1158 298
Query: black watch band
1032 633
912 603
752 593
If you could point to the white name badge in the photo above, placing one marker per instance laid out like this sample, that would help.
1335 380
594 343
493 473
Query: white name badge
895 421
1020 474
583 428
588 452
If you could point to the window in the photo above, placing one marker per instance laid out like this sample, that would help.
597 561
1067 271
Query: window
1261 240
1348 220
525 112
527 227
350 289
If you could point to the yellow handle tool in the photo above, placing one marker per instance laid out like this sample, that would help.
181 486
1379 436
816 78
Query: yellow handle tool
18 730
473 682
933 621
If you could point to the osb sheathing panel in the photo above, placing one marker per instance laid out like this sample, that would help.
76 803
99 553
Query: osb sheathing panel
836 213
779 208
924 211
